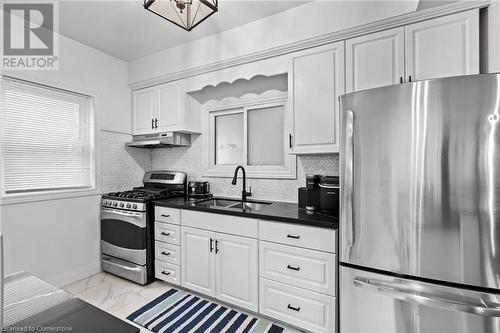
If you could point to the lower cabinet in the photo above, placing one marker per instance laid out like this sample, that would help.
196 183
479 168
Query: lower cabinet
198 260
221 265
312 311
284 271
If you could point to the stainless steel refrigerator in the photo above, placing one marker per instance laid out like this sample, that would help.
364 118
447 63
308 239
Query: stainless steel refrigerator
420 207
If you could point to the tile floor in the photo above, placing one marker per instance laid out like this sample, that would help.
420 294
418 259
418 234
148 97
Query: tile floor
121 297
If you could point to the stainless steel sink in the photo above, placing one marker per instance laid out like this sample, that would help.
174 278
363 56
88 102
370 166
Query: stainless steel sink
250 205
230 203
216 202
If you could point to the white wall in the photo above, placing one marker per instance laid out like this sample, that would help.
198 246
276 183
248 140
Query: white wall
58 240
303 22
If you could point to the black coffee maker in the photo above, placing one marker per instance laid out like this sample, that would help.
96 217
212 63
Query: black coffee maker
320 194
309 196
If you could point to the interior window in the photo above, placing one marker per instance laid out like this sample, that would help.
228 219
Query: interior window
47 139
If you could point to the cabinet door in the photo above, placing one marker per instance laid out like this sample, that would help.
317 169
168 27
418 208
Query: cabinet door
237 271
169 107
445 46
144 113
375 60
316 81
198 261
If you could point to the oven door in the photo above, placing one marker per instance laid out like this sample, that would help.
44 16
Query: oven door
123 235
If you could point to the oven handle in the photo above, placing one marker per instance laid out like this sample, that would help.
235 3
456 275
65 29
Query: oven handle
138 219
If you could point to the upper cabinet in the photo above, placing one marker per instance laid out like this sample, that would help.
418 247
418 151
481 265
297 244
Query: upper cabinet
316 80
445 46
165 108
375 60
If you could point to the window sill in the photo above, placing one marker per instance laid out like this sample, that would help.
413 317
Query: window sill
45 196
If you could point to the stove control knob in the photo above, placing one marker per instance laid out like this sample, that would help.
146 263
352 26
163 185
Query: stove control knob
121 204
115 204
128 205
134 206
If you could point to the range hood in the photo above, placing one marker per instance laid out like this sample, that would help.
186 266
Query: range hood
161 140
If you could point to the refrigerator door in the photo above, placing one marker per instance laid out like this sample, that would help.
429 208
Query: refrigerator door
421 186
408 306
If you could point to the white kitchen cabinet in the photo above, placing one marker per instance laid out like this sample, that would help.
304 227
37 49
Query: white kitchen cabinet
237 271
220 265
316 79
296 306
169 107
144 106
165 108
198 260
444 46
375 60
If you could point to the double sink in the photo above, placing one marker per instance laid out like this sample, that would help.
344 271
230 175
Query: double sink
232 203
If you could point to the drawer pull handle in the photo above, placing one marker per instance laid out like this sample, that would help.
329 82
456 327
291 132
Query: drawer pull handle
293 236
293 268
165 273
165 233
165 253
292 308
165 215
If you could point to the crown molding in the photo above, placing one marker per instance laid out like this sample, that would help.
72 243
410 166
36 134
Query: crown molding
365 29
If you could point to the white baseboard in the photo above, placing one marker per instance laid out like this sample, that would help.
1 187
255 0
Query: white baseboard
74 275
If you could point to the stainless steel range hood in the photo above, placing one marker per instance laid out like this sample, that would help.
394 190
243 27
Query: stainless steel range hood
161 140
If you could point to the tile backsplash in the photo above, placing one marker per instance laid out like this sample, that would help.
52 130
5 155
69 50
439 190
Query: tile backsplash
122 167
189 160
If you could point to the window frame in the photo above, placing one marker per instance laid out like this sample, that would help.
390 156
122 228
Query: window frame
95 146
244 105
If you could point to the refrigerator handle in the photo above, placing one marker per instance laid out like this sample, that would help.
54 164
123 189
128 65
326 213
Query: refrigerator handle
419 294
347 205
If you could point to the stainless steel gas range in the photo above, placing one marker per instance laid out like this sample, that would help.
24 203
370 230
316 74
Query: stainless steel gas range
127 225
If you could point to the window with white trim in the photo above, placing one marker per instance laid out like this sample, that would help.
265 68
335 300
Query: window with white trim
47 140
253 135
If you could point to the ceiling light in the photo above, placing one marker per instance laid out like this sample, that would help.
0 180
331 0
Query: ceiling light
187 14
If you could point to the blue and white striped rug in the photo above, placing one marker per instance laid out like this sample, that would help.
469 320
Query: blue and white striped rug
180 312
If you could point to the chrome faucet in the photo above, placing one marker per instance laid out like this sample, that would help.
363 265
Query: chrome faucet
244 193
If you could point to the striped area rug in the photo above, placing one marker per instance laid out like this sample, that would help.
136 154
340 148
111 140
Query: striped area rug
180 312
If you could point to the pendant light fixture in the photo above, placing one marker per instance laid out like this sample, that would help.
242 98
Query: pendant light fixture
187 14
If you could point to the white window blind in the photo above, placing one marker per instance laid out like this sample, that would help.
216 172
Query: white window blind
47 139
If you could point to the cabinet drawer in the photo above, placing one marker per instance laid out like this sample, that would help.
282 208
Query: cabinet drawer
303 268
168 272
168 253
168 233
298 235
305 309
168 215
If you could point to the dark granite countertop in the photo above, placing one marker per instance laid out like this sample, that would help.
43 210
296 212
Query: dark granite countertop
276 211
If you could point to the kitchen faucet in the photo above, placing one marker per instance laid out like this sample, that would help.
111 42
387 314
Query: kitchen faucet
244 193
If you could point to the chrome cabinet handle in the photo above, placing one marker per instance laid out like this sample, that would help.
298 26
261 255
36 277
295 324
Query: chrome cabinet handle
293 308
293 268
165 233
165 273
152 124
165 253
211 245
420 295
156 122
216 246
347 205
293 236
165 215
